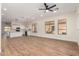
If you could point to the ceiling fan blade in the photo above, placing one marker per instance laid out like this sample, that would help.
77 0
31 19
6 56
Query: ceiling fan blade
51 10
42 9
52 6
46 6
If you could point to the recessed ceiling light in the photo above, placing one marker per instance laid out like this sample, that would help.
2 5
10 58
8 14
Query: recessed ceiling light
55 11
47 10
4 9
41 15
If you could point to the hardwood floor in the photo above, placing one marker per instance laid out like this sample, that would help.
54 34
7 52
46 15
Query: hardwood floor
36 46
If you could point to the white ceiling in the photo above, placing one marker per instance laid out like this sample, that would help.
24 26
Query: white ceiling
29 11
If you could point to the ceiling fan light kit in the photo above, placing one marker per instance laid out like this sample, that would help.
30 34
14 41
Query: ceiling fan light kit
49 8
4 9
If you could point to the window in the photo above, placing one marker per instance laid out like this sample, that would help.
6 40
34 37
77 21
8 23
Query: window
62 26
7 29
49 27
18 29
34 29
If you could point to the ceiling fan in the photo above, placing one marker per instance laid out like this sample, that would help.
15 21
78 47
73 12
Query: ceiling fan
49 8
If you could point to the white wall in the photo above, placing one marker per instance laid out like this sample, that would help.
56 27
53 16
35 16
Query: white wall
78 24
71 27
0 27
78 18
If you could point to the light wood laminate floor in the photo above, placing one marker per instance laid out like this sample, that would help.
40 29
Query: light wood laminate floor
36 46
